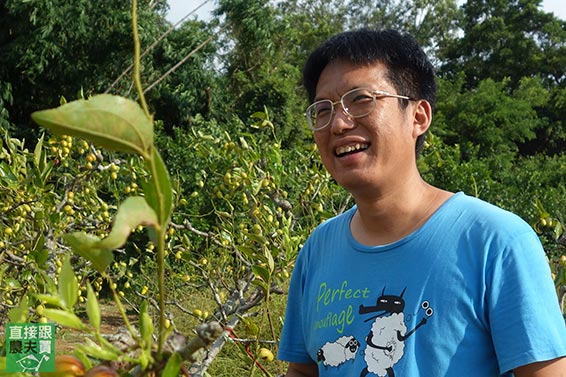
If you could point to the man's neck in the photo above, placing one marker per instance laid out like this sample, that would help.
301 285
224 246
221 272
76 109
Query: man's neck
390 216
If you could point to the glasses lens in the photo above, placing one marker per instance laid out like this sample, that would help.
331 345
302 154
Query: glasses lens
319 114
359 102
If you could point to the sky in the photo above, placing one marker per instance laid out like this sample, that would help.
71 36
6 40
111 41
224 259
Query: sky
180 8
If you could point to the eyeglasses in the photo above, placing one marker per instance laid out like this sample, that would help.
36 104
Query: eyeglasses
356 103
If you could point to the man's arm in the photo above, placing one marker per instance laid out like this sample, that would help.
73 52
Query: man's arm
302 370
550 368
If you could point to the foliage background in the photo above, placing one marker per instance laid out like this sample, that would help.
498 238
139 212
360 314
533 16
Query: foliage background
230 127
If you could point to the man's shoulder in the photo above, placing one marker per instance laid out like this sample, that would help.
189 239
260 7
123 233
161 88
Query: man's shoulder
480 213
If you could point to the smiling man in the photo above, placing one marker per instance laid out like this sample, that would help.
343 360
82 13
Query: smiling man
448 285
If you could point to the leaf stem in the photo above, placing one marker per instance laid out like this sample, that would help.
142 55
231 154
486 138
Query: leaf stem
120 307
161 287
160 233
137 79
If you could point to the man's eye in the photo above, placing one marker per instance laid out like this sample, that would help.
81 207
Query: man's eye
323 109
361 98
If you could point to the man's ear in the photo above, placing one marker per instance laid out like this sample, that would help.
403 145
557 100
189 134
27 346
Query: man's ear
422 117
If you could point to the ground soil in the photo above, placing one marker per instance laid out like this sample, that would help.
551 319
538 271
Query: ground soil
111 321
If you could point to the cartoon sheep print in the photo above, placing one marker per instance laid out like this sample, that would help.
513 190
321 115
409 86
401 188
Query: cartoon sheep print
385 342
338 352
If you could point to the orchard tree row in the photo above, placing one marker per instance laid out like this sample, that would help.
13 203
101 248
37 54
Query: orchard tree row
241 186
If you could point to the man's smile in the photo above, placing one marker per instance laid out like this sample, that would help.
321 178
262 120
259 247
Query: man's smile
347 149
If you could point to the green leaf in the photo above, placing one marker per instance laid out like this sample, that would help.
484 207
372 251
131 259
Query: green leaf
49 299
132 212
93 349
68 287
173 366
112 122
19 314
146 325
262 285
38 153
558 230
251 326
262 272
88 247
270 261
92 308
159 192
64 318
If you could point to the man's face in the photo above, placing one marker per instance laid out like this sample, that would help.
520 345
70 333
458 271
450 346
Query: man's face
375 153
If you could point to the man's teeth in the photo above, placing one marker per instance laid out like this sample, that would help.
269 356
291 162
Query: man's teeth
350 148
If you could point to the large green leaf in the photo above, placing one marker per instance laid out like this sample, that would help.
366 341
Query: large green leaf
159 192
19 314
173 366
65 318
134 211
88 247
92 308
113 122
92 349
68 285
146 325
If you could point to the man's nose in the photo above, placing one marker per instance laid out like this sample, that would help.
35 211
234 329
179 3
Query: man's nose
341 121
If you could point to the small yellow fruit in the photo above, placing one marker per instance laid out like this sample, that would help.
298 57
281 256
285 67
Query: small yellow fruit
186 278
8 231
197 312
144 290
543 222
266 354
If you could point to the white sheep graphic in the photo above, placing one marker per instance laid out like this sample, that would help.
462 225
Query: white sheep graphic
386 339
341 350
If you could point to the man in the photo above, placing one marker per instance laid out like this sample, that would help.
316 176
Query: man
413 280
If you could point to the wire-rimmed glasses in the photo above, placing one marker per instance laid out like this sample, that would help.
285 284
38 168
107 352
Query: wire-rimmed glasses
356 103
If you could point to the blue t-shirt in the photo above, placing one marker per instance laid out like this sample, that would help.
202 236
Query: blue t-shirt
467 294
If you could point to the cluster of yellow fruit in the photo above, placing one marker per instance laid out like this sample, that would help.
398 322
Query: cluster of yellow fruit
548 222
61 147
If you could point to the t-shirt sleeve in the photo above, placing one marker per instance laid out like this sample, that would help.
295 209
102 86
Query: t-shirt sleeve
524 315
292 347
